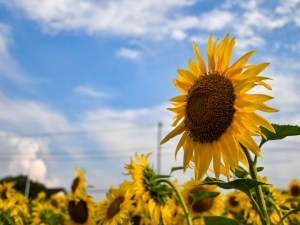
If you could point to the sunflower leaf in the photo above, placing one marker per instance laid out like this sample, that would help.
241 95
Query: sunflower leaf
158 176
259 169
282 131
244 185
292 200
284 207
202 194
240 172
213 220
196 217
176 168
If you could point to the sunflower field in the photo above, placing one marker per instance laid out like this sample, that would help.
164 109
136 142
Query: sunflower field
217 120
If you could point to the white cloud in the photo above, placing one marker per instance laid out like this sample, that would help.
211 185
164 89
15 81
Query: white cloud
178 35
128 53
86 90
9 68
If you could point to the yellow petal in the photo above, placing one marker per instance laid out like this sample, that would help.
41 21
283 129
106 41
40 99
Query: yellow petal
255 97
190 77
210 55
254 71
205 155
201 64
178 98
183 87
249 143
238 66
178 130
180 143
188 152
216 158
193 68
263 107
262 121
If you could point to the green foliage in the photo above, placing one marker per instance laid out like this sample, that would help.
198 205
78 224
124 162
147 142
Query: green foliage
35 187
244 185
282 131
176 168
219 220
202 194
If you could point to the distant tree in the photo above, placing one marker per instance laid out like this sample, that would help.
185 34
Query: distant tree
35 187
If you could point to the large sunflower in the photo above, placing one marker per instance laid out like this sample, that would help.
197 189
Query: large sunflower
214 113
115 209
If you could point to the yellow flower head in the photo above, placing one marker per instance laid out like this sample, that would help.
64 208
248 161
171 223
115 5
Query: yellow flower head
80 210
7 190
148 192
232 203
205 207
294 188
214 113
115 209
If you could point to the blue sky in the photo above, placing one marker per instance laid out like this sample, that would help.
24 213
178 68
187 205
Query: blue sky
107 67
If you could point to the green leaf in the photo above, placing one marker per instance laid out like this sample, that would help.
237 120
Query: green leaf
298 207
292 200
196 218
259 169
158 176
284 207
282 131
176 168
203 194
244 185
240 172
219 220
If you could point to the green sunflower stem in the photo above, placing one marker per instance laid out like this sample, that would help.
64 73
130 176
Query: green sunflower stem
186 212
258 191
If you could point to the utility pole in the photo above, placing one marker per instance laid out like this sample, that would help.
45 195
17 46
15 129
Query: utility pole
159 126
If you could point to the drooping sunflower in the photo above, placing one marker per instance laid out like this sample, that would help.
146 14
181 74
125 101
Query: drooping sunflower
78 186
214 113
115 209
148 193
205 207
80 211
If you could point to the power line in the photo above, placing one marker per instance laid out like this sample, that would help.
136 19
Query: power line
79 132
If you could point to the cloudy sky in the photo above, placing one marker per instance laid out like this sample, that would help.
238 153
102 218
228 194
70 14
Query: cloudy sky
84 83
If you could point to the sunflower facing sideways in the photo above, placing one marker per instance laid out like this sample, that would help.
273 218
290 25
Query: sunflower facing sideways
214 113
149 194
115 209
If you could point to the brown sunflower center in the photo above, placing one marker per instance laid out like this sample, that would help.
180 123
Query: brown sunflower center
233 202
54 202
3 193
295 191
209 107
75 184
114 207
78 211
200 205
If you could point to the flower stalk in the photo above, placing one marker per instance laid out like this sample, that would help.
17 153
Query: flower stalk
258 191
